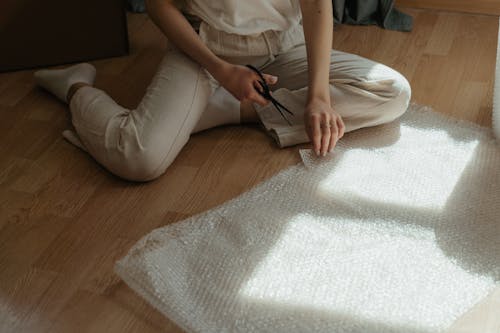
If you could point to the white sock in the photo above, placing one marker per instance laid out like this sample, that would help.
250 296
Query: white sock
223 108
58 81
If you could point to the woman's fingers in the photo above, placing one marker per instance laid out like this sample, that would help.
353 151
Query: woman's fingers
257 86
252 91
326 134
315 132
323 137
244 84
324 126
257 98
341 126
335 134
270 79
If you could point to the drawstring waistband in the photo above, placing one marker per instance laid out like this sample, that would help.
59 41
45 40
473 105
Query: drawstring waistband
269 49
266 44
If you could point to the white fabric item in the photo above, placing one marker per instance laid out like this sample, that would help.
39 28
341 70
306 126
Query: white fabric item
496 95
243 17
396 230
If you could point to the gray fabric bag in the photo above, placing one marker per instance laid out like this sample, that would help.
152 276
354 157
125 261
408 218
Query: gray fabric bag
367 12
136 6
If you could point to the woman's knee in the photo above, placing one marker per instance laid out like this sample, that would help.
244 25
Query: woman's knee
401 92
141 166
397 96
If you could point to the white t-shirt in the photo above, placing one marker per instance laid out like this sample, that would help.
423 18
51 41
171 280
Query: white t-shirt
246 17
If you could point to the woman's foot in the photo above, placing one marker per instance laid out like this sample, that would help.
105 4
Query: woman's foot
59 81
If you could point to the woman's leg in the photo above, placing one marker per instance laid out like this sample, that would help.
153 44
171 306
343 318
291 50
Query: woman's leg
140 144
365 93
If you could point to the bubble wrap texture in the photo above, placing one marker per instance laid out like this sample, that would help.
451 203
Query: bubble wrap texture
396 230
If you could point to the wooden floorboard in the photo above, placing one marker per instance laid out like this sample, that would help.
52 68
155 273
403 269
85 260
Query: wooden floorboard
486 7
65 220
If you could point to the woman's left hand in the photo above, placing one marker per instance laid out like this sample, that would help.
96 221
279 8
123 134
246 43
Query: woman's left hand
318 115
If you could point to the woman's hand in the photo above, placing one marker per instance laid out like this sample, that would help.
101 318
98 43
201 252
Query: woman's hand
318 115
242 82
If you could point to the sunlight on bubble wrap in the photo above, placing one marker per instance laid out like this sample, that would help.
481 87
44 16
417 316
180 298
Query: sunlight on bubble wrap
417 179
8 318
377 270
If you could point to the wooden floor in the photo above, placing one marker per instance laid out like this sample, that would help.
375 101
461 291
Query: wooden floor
489 7
64 219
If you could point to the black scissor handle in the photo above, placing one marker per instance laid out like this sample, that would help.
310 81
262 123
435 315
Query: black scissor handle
266 93
257 71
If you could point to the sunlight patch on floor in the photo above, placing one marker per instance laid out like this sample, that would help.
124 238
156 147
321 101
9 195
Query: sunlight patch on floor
351 177
375 270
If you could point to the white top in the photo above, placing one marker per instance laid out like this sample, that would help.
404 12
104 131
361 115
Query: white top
246 17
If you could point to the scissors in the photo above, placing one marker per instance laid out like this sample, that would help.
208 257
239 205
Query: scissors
266 93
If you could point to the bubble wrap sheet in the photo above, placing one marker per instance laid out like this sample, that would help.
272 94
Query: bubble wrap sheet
396 230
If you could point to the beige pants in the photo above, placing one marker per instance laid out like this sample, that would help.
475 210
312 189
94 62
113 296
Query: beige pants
140 144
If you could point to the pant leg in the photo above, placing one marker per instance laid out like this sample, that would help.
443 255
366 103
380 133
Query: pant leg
365 93
222 107
140 144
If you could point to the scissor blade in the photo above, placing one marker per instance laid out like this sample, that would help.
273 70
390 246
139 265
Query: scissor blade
281 113
282 106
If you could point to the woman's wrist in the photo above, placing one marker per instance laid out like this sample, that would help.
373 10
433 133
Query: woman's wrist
217 67
319 96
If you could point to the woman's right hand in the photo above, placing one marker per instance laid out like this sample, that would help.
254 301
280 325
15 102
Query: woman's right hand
242 82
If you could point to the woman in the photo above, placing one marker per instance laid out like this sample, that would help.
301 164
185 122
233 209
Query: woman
202 82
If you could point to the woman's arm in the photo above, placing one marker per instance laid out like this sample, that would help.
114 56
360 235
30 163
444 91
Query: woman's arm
175 26
238 80
317 19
